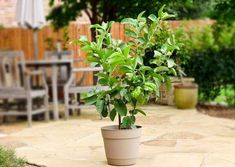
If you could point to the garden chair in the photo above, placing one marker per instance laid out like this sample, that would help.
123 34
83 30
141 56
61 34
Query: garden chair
76 88
15 84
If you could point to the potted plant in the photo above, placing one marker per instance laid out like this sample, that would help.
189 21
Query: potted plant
130 83
186 95
185 90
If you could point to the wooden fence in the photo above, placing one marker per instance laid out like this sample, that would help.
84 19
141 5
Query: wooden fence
22 39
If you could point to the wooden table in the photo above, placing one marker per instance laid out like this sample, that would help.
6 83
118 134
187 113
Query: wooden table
53 64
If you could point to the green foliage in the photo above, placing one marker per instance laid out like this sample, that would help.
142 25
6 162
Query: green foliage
213 70
224 12
227 94
9 159
129 80
61 15
208 55
162 37
107 10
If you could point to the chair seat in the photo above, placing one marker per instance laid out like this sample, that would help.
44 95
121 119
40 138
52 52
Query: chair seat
85 89
20 93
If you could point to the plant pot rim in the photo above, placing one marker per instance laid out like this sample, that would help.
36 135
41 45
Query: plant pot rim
115 127
186 86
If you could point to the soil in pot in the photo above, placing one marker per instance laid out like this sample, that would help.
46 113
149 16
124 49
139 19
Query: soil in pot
121 146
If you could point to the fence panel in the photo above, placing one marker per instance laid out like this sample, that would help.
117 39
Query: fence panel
22 39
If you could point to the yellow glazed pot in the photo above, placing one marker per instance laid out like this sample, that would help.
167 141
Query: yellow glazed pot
186 95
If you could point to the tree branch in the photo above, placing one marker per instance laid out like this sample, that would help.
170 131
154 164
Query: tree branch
88 14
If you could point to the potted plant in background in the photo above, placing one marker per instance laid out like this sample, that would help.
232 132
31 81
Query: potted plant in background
186 95
130 82
195 40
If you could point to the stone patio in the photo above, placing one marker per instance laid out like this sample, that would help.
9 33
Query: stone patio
171 138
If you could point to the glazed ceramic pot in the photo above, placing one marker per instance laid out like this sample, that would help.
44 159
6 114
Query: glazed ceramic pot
186 95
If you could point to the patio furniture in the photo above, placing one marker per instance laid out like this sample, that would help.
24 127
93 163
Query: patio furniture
15 83
53 64
73 88
63 71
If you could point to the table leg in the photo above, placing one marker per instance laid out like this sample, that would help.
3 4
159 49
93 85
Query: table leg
54 92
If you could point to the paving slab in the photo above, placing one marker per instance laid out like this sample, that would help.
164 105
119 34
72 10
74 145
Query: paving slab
170 138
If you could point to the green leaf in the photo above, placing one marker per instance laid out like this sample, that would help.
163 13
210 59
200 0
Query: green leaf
103 81
141 40
113 114
172 71
99 105
141 98
120 107
114 56
161 69
124 94
92 59
167 82
138 60
125 68
105 111
170 63
158 77
164 15
86 47
145 68
133 119
131 33
90 99
167 16
140 111
126 51
116 59
148 86
130 21
113 92
140 15
136 92
160 11
152 17
131 42
126 122
100 40
95 26
157 53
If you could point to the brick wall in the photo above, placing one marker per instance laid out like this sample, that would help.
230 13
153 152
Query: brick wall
8 8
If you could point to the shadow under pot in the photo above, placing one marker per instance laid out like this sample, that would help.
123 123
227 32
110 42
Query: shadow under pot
186 95
121 145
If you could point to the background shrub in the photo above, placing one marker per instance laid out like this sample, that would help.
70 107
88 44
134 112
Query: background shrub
208 55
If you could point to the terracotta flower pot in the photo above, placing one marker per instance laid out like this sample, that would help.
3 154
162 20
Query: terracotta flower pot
186 95
121 146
